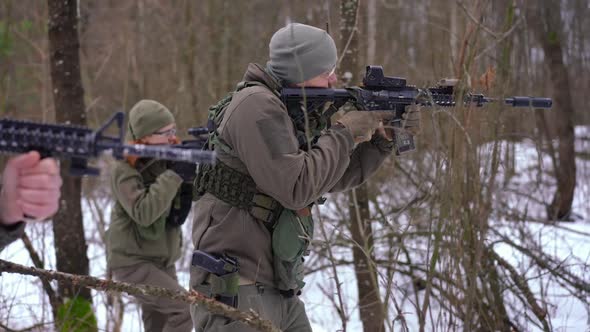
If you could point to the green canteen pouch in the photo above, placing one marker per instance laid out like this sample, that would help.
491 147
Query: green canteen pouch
291 235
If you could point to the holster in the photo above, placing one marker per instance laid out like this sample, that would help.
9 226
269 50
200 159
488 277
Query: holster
223 279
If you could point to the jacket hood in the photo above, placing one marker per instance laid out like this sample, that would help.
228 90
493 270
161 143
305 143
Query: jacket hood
256 72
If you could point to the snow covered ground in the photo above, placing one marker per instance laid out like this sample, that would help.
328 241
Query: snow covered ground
569 242
24 302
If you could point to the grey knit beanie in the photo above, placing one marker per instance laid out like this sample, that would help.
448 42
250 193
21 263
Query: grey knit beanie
299 52
147 117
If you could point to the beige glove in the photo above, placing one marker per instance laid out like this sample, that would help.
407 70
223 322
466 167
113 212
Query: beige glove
361 124
411 121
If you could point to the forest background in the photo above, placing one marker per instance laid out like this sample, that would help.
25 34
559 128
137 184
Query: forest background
484 227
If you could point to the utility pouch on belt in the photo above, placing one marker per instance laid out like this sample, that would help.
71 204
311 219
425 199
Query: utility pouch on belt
290 241
223 281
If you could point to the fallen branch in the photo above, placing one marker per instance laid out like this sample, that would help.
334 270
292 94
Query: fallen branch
522 285
251 318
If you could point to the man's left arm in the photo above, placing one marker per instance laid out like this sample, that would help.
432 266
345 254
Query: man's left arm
366 159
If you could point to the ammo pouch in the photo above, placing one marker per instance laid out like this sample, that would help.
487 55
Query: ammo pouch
291 237
236 189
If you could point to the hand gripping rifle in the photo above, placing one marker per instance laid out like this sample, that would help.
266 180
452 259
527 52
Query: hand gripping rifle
80 143
383 93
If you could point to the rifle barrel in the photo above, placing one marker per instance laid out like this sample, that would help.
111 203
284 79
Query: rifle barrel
535 102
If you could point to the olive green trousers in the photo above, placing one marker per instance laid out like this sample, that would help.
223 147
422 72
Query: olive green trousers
158 313
285 312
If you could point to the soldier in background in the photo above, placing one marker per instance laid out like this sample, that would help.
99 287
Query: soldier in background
256 203
152 200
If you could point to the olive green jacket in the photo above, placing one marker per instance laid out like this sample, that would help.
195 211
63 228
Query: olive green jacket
138 232
257 127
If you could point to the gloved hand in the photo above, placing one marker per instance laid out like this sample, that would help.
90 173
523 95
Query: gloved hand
361 124
411 121
181 206
384 137
358 99
187 171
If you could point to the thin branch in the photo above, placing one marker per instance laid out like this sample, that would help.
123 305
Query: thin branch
524 288
340 306
355 29
500 38
36 327
477 22
544 261
54 299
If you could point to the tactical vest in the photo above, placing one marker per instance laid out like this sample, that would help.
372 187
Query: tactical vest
291 231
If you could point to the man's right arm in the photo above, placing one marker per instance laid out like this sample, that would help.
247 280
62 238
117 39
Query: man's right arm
143 205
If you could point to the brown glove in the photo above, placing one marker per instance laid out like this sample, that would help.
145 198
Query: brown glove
361 124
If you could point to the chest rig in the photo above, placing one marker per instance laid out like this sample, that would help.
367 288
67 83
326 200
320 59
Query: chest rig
237 188
227 184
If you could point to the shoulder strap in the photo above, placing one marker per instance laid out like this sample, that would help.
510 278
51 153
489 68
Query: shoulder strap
217 111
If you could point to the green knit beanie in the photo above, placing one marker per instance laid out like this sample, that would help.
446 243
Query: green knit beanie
299 52
147 117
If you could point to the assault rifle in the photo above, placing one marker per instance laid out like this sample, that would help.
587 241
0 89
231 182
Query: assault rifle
383 93
80 143
197 143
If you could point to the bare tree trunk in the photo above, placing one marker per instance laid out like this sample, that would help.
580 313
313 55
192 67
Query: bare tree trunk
545 19
370 305
68 229
371 31
454 33
189 58
372 311
349 41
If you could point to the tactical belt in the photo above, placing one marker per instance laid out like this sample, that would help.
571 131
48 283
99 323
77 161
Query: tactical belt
239 190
